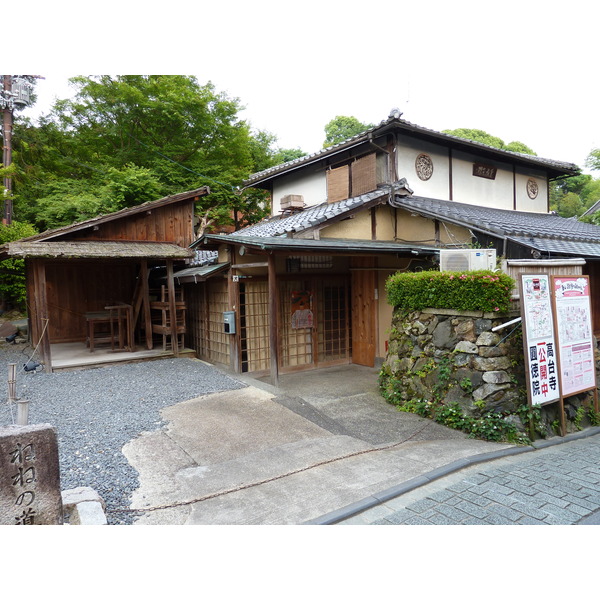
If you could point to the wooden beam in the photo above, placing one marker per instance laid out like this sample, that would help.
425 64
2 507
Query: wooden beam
273 319
233 291
250 265
172 308
146 304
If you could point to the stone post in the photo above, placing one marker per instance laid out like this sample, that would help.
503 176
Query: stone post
29 476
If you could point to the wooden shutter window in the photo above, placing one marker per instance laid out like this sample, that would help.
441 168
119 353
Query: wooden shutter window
364 175
338 184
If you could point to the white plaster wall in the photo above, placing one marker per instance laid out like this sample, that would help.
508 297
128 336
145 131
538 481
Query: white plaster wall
311 185
524 202
435 187
467 188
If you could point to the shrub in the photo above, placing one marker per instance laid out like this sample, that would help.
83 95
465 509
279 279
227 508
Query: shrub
12 270
467 291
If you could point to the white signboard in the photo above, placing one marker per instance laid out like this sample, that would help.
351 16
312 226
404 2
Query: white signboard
574 333
538 339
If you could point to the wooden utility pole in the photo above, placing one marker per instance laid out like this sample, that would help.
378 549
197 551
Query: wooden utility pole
16 92
7 123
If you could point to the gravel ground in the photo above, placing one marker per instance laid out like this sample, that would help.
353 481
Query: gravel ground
97 411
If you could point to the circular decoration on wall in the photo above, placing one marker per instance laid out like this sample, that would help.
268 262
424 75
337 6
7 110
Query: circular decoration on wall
424 166
532 188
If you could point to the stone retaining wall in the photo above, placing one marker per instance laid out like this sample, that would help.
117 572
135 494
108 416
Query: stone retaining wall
454 357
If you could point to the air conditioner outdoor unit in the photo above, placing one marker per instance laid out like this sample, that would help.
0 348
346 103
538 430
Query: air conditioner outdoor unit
292 201
468 260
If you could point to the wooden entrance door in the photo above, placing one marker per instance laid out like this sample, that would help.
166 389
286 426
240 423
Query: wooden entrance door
364 309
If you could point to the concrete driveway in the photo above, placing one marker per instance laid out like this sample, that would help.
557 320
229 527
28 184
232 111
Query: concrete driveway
261 455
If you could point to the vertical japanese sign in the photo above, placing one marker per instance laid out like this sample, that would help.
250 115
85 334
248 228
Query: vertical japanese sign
572 309
539 339
29 476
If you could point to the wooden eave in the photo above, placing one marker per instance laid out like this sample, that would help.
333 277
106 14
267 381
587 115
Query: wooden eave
90 250
340 246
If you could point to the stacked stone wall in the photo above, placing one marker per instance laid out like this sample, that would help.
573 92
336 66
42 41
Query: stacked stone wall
451 357
480 370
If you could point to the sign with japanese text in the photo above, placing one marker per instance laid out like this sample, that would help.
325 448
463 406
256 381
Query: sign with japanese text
29 476
572 309
485 171
539 340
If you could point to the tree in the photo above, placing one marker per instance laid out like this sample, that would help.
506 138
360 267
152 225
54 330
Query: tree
593 160
12 270
478 135
584 187
341 128
127 139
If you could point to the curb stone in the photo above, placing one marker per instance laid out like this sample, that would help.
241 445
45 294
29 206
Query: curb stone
374 500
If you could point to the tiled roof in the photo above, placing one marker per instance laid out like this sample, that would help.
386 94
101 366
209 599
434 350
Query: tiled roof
333 245
312 216
395 121
546 232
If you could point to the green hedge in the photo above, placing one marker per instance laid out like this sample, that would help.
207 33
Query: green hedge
469 290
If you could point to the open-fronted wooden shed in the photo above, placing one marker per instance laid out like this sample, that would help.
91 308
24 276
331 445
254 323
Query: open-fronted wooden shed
90 283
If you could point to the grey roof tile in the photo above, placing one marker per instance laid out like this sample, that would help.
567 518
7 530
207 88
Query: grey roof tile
393 120
310 217
546 232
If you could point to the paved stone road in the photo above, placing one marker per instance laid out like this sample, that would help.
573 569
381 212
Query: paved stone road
556 485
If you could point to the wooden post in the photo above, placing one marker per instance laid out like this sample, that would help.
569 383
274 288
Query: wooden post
273 315
42 315
172 308
233 292
563 422
146 304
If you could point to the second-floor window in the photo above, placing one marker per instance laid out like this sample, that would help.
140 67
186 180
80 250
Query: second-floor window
354 178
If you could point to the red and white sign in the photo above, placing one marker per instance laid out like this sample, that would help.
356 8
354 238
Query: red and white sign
571 296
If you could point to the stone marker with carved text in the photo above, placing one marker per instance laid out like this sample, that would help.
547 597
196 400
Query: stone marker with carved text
29 476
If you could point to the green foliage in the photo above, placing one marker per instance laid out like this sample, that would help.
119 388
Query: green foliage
573 196
468 291
12 270
478 135
531 417
570 205
579 415
519 147
593 160
490 426
341 128
124 140
594 417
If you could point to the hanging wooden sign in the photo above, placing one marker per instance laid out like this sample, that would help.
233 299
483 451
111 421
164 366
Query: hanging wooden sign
485 171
